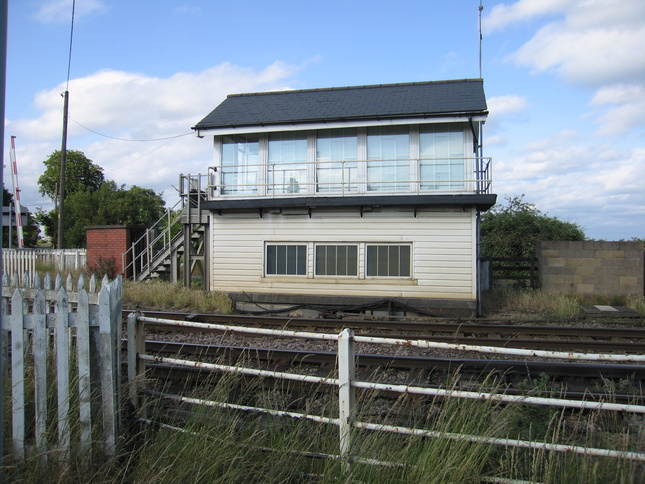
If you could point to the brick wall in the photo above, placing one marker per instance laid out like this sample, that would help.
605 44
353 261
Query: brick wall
592 267
109 242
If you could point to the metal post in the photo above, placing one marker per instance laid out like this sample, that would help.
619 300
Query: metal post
136 366
346 392
4 7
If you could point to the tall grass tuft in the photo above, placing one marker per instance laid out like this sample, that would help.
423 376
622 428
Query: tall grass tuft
166 295
533 303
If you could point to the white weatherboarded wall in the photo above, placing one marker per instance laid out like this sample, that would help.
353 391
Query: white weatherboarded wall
443 251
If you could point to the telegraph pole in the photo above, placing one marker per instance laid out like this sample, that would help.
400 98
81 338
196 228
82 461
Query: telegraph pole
63 150
61 183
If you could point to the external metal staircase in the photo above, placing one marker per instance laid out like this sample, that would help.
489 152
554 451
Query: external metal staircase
175 242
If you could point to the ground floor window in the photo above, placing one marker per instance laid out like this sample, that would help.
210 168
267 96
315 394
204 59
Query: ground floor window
286 260
358 260
336 260
388 261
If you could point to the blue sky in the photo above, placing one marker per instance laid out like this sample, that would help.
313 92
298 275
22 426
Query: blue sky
565 82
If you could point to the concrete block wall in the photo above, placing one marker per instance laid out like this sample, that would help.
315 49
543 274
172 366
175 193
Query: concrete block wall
590 267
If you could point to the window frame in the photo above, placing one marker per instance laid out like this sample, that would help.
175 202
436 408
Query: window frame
400 246
356 256
286 245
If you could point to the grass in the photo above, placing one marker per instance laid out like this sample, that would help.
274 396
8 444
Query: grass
230 446
533 303
165 295
200 444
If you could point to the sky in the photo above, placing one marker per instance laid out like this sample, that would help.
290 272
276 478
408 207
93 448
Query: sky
564 80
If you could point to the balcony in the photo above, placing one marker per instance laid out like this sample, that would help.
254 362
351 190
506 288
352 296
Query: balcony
413 182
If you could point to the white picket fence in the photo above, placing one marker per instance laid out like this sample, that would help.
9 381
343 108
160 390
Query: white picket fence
346 384
76 331
24 260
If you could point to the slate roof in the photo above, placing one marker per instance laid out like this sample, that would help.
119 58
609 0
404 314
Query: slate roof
416 99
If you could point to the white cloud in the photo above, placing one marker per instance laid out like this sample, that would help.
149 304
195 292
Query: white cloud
502 15
135 106
55 11
505 105
624 108
595 55
589 41
598 187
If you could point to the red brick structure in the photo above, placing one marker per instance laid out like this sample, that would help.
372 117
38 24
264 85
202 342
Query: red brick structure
109 243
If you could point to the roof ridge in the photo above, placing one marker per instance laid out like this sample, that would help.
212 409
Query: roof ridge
347 88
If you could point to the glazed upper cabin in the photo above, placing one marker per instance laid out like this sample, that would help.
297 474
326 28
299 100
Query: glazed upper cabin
400 139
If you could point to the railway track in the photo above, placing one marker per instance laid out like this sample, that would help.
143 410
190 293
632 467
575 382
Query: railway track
575 381
544 336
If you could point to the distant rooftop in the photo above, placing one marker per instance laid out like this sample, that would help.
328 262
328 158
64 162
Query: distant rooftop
376 102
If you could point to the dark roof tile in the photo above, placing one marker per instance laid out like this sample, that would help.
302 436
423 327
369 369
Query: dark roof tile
416 99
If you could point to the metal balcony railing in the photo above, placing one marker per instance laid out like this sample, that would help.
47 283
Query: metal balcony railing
347 177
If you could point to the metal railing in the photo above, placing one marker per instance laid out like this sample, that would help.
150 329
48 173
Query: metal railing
350 177
347 383
166 235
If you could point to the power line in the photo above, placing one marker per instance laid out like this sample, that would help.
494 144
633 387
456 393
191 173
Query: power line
129 139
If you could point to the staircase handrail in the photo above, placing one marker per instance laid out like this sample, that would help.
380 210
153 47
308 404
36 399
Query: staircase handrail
145 257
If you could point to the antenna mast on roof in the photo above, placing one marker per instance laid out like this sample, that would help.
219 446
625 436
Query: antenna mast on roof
481 7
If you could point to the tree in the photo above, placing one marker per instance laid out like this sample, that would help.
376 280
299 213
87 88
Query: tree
81 174
512 230
109 205
30 230
92 200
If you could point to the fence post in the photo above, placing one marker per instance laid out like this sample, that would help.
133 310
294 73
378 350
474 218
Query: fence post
83 357
108 370
40 367
62 366
136 367
346 392
18 375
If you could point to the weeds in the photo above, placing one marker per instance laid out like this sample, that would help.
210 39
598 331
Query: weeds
165 295
534 303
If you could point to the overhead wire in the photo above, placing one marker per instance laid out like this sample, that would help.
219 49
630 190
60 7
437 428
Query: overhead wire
130 139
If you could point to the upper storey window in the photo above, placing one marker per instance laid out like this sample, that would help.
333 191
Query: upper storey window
240 164
441 149
336 160
374 159
388 158
287 163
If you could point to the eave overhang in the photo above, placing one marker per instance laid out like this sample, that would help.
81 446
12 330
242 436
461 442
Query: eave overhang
479 201
341 123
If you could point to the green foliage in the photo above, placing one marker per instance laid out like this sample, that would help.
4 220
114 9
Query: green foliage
104 266
92 200
512 230
81 174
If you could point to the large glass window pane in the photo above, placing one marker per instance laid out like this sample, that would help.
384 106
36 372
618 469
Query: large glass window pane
287 163
388 155
441 148
336 260
388 261
240 164
336 160
286 260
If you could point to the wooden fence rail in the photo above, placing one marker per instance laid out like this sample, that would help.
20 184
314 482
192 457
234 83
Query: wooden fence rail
47 324
522 270
24 260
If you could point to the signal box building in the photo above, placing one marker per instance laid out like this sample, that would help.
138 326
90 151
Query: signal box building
349 197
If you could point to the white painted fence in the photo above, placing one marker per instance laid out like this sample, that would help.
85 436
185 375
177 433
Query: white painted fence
347 384
24 260
77 332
